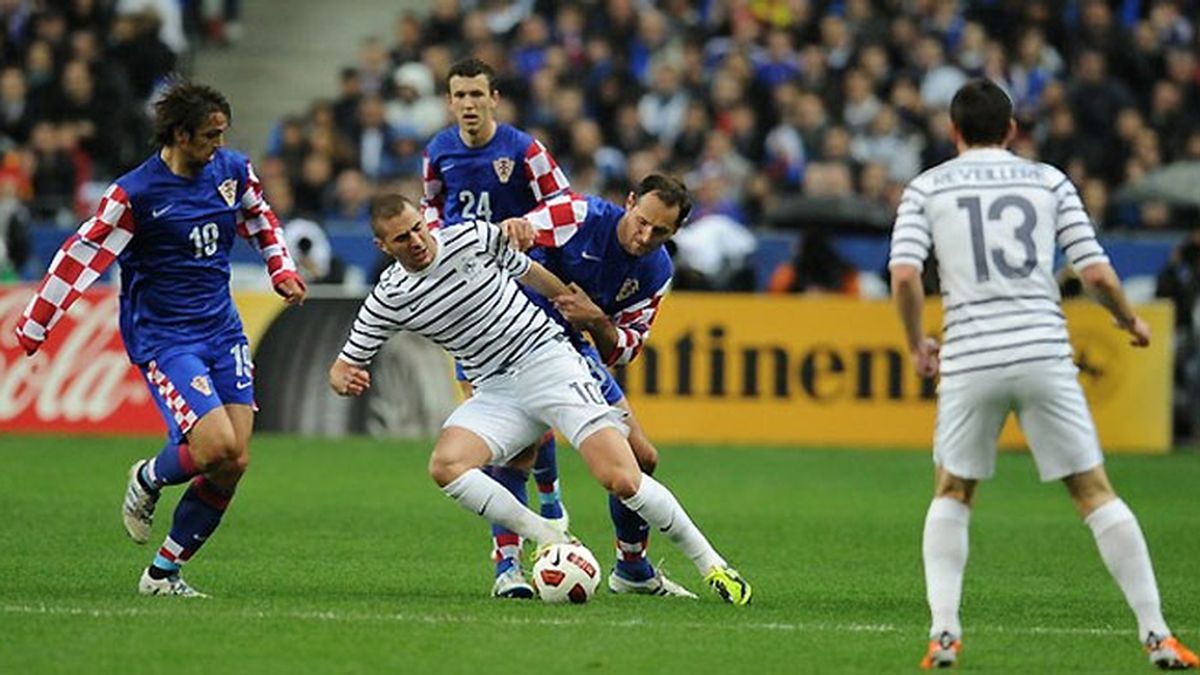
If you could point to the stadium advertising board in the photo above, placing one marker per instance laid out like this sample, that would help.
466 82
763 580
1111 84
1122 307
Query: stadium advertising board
832 371
80 381
746 369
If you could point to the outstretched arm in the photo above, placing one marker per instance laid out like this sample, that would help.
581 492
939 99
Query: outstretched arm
81 260
1102 283
258 224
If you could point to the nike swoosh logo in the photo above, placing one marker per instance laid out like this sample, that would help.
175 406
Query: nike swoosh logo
589 256
485 505
447 166
243 385
158 212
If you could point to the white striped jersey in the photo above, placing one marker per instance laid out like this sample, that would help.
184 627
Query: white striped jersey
466 301
994 221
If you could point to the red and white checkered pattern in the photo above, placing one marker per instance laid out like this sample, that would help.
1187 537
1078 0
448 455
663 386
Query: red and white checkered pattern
633 327
258 224
546 179
174 551
185 418
558 219
82 259
432 199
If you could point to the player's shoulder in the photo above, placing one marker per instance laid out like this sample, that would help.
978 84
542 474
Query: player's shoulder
600 209
140 179
442 142
656 268
513 136
227 161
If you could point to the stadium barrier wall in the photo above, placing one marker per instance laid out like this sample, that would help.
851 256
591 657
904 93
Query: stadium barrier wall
833 371
738 369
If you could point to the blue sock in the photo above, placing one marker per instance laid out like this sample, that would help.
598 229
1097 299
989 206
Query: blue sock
508 543
173 465
545 472
632 536
196 518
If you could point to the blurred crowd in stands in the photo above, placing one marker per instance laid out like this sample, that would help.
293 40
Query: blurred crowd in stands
76 77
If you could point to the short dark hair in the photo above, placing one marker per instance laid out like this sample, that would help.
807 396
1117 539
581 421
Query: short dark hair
388 205
670 191
186 105
982 112
472 67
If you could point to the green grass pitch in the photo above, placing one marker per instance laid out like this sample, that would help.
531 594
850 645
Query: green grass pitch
342 557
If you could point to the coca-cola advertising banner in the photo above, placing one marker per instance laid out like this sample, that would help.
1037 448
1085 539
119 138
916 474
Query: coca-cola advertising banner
80 380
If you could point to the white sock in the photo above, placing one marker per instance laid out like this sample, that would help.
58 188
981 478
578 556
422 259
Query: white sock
658 507
481 495
1124 551
944 548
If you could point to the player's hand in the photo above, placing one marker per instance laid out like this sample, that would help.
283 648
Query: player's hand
347 379
292 289
519 232
1138 329
577 308
27 343
925 357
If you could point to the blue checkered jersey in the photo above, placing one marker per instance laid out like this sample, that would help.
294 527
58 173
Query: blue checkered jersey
577 241
507 177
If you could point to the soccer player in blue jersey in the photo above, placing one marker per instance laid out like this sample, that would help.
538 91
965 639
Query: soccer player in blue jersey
171 223
618 271
481 169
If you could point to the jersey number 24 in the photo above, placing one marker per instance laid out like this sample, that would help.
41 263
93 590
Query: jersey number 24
475 207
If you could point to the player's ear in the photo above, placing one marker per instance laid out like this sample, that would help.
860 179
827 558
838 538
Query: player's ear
1012 132
630 201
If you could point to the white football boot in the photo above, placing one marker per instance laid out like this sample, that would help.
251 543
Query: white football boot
171 586
138 508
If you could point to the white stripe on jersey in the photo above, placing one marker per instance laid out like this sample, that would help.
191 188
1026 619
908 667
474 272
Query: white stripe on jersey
994 220
467 301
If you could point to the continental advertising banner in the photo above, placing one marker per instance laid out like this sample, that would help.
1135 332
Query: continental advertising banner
754 369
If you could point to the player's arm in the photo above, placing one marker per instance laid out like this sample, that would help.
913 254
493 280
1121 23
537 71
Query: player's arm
259 225
1101 282
83 257
911 243
618 338
433 193
558 219
543 281
546 179
373 327
1077 239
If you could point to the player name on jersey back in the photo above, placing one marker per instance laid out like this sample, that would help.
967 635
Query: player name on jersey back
994 221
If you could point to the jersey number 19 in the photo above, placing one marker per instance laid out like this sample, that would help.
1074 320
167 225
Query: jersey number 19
204 239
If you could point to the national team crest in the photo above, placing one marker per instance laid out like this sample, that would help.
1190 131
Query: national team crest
504 167
628 288
228 190
200 384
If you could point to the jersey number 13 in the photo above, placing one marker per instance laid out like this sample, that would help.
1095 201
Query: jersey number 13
1023 234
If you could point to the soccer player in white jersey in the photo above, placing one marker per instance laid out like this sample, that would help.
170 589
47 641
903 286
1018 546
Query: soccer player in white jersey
457 287
994 221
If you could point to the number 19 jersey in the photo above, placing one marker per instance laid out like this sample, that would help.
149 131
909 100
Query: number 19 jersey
994 221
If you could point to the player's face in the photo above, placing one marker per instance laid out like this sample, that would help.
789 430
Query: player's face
405 238
648 224
473 103
199 148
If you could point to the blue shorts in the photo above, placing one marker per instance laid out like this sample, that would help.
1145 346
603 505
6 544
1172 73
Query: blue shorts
608 384
187 384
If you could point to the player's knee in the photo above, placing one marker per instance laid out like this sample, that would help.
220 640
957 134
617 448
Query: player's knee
241 463
623 483
445 470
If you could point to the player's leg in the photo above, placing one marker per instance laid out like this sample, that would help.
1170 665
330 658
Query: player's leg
545 474
562 393
1056 419
971 412
610 459
489 428
633 572
221 390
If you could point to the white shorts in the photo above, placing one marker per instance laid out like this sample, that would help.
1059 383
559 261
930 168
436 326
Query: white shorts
1050 408
553 388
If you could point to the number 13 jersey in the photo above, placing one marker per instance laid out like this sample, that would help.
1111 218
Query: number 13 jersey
994 222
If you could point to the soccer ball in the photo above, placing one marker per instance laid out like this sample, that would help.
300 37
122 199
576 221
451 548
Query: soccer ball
566 573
